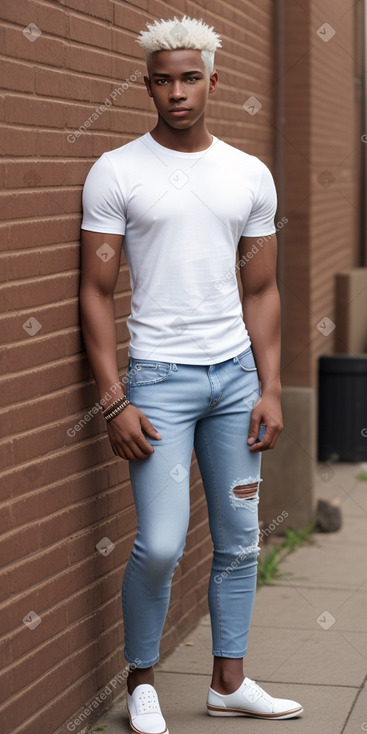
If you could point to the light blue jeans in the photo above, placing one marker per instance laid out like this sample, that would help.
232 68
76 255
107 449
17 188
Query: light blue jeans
208 408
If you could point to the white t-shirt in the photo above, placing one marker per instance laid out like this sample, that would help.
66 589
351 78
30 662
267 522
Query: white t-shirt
182 215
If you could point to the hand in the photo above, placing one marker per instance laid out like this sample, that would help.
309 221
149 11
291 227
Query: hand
125 432
266 412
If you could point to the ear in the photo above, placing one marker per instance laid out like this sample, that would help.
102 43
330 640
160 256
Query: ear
148 87
213 82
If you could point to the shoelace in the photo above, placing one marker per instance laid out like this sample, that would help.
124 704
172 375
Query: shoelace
253 692
147 703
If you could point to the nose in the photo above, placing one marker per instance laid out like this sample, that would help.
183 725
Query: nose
177 91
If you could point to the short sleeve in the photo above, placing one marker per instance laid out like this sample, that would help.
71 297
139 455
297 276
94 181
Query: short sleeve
104 208
261 220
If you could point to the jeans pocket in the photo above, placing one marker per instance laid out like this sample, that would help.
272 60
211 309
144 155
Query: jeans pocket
246 361
146 372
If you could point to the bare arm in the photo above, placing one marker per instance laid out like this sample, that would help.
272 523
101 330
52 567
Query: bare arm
261 312
100 261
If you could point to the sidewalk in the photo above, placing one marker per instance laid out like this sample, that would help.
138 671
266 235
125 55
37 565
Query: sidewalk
308 639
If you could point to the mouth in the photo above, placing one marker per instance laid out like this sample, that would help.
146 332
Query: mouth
179 111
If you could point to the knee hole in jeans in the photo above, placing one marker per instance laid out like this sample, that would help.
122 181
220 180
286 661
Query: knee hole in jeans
243 493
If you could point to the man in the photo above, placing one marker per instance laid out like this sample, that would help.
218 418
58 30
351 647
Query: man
182 202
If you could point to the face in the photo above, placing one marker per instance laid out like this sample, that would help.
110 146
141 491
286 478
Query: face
179 85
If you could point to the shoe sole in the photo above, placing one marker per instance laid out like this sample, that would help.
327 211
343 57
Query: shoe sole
138 731
217 711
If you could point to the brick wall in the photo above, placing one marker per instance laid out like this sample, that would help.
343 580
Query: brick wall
322 150
62 491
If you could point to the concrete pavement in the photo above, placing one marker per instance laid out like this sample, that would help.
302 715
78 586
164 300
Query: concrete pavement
308 639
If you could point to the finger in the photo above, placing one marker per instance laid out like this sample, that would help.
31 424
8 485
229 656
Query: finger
253 430
266 441
129 454
139 447
149 428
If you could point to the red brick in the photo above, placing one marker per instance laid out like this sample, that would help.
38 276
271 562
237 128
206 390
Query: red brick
47 18
19 543
90 32
38 173
53 83
58 374
40 291
49 260
84 59
16 142
143 4
126 41
38 568
44 50
157 9
59 144
41 203
37 112
16 76
36 233
132 18
103 9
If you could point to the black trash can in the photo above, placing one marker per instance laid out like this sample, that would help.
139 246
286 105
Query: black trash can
342 420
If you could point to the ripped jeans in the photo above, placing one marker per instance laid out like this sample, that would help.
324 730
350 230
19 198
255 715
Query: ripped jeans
208 408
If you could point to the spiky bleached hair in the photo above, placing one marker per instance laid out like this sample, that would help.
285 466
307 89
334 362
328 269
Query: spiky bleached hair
168 35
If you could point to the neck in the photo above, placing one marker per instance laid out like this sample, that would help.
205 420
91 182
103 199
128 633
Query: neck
191 140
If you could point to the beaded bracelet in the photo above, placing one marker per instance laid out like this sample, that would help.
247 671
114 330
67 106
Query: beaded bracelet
109 414
113 405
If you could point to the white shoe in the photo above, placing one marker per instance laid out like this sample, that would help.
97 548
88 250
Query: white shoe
251 700
145 712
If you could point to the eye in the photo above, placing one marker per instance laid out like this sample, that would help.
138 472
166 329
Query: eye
193 79
161 81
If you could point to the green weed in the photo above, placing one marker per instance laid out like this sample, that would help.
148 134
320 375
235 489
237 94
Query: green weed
268 568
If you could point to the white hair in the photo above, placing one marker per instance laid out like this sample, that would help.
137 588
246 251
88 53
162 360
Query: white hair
169 35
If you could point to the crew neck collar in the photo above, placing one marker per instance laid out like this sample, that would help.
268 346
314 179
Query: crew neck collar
170 151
